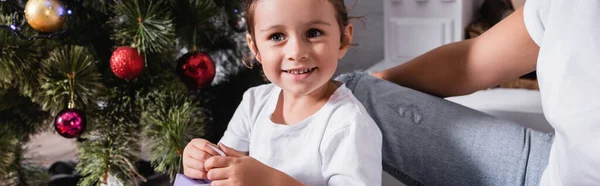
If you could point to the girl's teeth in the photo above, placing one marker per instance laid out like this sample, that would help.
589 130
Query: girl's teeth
299 71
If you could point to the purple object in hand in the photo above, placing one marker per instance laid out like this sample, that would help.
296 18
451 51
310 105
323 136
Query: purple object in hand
182 180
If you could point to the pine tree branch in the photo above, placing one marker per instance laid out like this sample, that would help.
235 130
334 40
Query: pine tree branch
102 6
7 7
14 170
113 138
144 23
20 116
171 119
158 72
63 63
103 152
18 61
86 24
193 21
35 174
8 142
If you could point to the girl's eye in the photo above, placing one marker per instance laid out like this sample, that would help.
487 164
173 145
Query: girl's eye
313 33
277 37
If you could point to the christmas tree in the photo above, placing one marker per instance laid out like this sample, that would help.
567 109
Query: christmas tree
112 73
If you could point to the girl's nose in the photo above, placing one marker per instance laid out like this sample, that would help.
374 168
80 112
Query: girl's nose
296 49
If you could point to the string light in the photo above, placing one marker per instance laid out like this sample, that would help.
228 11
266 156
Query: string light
17 30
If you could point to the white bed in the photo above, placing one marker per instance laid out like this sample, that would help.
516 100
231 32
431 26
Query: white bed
518 105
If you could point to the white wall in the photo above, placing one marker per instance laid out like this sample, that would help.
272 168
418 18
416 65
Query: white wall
368 36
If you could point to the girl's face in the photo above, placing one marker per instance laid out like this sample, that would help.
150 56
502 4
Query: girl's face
298 43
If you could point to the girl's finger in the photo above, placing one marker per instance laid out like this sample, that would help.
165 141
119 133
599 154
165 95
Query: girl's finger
230 151
196 153
220 182
195 164
193 173
218 174
217 162
209 150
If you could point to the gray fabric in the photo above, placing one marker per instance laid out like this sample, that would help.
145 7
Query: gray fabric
431 141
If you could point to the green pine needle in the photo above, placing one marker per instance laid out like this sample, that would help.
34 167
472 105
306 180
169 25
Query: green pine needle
3 93
112 144
115 106
97 5
14 170
192 21
56 70
36 174
8 142
171 120
20 116
109 151
9 6
19 62
144 23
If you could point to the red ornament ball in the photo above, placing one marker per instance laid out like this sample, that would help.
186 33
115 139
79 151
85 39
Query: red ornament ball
70 123
196 69
126 63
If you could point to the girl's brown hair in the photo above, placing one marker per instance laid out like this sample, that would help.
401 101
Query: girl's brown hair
341 14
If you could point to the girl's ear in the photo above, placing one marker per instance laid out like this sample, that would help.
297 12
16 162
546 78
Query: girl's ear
345 44
252 46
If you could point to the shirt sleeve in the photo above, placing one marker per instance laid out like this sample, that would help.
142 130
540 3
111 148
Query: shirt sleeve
535 13
237 135
351 155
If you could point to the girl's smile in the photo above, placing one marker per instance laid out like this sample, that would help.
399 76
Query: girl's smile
299 74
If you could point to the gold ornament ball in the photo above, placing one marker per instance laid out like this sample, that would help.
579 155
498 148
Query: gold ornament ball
45 15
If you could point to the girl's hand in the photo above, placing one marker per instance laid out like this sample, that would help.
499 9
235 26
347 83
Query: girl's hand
195 153
238 169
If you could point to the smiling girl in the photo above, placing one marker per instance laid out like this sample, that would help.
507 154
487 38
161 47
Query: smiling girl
304 127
